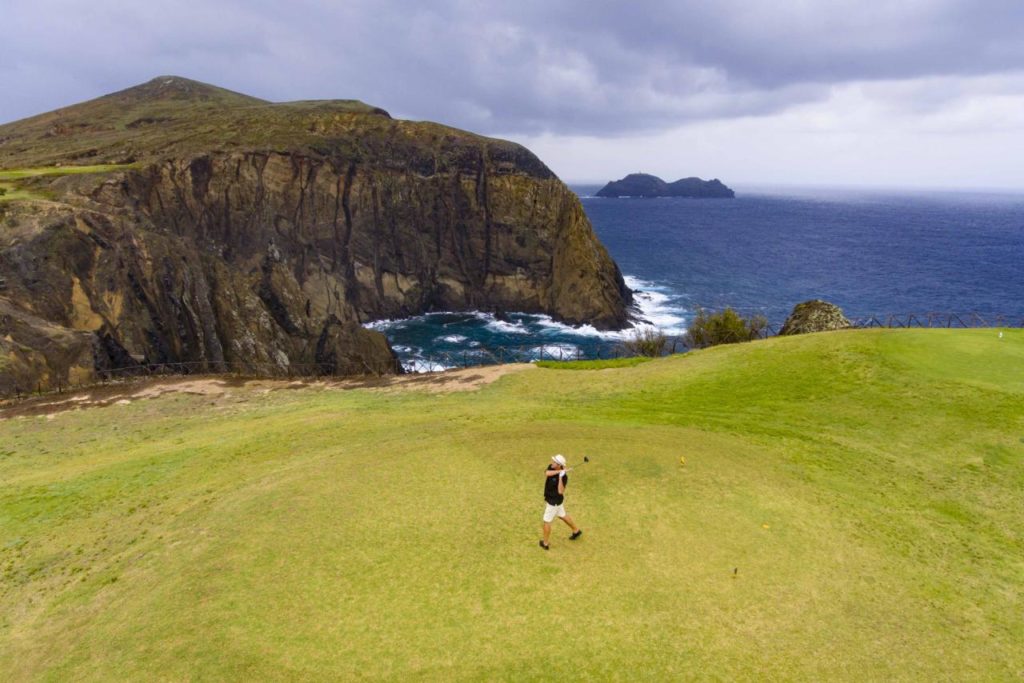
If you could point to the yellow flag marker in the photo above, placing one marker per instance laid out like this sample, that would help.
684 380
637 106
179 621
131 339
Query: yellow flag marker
682 459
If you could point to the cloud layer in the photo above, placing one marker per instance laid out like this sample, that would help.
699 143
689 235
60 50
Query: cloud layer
529 67
914 92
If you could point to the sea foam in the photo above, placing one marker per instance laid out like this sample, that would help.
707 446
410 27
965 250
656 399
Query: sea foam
435 341
656 308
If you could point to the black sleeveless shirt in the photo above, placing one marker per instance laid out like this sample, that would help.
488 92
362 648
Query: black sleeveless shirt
551 494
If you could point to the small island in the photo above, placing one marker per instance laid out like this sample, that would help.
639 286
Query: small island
645 185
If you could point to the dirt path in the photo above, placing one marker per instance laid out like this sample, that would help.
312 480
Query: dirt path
467 379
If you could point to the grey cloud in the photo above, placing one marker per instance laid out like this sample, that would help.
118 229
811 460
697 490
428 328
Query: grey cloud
598 67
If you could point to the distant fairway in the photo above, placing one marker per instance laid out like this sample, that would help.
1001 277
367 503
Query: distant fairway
868 487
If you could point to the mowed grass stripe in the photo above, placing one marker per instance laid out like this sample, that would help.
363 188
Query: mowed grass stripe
850 508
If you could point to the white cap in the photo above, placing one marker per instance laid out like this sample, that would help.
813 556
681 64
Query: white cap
560 459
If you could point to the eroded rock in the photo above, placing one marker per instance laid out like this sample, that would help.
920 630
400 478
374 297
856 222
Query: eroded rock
814 316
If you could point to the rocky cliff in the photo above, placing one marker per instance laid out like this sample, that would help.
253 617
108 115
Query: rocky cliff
176 222
814 316
646 185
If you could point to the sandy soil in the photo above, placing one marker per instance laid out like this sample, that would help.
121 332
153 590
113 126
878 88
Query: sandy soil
123 393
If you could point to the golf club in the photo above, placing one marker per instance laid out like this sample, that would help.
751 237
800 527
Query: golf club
585 461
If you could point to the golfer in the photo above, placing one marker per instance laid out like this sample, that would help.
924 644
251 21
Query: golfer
554 495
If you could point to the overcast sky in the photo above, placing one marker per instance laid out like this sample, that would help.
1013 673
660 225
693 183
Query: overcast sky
910 93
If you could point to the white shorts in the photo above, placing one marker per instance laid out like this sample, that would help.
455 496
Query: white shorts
552 511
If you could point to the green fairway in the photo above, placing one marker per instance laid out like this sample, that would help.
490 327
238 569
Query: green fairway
851 507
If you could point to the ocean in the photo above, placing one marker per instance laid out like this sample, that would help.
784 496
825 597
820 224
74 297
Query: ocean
874 253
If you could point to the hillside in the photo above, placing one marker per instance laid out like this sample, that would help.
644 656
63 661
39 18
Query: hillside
176 222
851 508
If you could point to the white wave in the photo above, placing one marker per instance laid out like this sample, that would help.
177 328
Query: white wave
635 283
652 301
490 322
552 326
401 348
387 324
561 351
503 326
397 323
657 312
656 309
419 365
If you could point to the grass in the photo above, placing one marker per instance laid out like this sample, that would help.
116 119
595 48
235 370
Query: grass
851 507
593 364
23 173
12 190
146 124
10 193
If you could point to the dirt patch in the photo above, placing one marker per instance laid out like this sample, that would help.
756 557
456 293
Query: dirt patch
197 387
466 379
124 393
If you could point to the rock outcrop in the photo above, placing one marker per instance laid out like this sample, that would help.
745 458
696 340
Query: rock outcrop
645 185
232 232
814 316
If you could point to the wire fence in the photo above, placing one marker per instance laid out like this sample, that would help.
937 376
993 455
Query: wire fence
949 320
440 361
890 321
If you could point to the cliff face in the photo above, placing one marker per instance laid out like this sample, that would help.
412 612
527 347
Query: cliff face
267 234
487 234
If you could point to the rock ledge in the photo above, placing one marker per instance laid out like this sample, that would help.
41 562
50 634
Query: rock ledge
814 316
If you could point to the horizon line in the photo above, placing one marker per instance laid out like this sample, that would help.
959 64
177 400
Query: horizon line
763 184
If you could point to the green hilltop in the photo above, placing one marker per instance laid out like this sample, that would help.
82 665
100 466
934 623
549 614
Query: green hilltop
172 116
851 507
165 116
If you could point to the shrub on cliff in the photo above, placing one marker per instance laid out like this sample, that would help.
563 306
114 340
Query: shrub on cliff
727 327
646 341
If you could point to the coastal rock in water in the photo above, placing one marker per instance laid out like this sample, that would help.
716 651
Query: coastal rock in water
703 189
635 185
814 316
268 235
645 185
